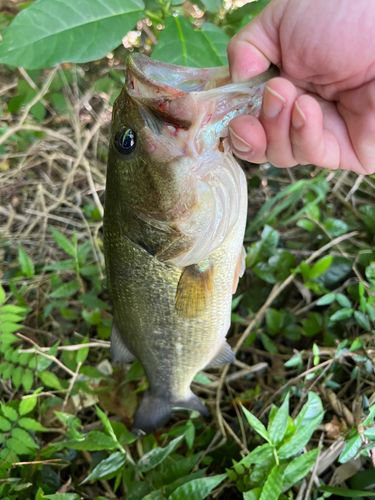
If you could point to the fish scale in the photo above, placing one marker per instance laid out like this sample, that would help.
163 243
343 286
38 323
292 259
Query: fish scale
173 228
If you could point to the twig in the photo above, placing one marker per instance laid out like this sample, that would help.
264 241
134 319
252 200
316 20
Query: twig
72 381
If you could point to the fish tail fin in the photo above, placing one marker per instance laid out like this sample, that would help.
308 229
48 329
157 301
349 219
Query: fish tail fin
193 403
153 413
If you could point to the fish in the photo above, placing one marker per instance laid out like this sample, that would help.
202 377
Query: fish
175 213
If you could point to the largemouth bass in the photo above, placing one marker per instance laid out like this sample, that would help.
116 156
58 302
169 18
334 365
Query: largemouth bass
175 214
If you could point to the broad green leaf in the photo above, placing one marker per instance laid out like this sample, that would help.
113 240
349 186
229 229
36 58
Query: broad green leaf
181 44
19 447
154 495
94 441
343 300
362 320
342 314
63 242
5 425
54 31
157 455
26 263
298 468
253 494
326 299
280 423
320 267
273 321
2 295
9 412
299 439
212 5
217 40
346 493
108 466
257 456
256 424
197 489
273 485
51 380
30 424
25 437
93 302
65 291
370 433
351 449
180 468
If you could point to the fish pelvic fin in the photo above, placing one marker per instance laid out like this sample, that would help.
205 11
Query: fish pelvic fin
224 356
119 351
240 269
155 411
194 289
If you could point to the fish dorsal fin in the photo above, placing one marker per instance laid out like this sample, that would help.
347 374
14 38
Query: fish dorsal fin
119 351
194 289
224 356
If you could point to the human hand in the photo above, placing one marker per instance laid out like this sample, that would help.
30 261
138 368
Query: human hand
322 108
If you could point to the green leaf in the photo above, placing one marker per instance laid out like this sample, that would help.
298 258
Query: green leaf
258 455
108 466
370 417
60 239
362 320
63 265
343 300
198 489
273 485
341 314
5 425
298 468
51 380
320 267
65 291
370 433
93 302
347 493
154 495
94 441
27 380
25 437
212 5
256 424
9 412
280 423
2 295
273 321
351 449
107 424
79 31
17 376
181 44
326 299
299 439
157 455
217 40
26 263
30 424
253 494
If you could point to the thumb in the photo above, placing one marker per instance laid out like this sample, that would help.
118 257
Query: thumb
252 49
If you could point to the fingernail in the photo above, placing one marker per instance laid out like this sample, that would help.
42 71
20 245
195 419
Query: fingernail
298 117
239 144
273 103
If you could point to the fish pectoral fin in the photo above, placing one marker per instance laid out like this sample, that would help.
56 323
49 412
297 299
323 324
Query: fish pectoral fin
224 356
240 269
119 351
194 290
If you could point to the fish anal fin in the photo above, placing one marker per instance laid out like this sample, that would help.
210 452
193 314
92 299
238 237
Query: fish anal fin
223 357
240 269
119 351
194 290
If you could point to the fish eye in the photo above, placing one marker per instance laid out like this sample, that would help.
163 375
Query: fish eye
125 141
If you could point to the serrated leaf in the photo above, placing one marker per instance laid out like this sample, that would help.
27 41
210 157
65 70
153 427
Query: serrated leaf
65 291
157 455
51 380
30 424
280 423
79 31
298 468
198 489
351 449
25 437
27 405
256 424
27 380
181 44
9 412
5 425
26 263
17 376
106 467
273 485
